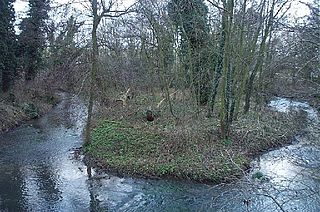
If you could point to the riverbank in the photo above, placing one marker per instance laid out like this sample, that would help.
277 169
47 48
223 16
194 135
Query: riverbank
303 90
190 149
25 105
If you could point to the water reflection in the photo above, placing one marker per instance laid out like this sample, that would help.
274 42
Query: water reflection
12 182
41 149
41 170
47 183
289 169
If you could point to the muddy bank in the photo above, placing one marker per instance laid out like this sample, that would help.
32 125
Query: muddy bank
14 112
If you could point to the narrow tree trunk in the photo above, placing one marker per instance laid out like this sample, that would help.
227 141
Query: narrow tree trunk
94 70
260 60
248 93
227 74
218 68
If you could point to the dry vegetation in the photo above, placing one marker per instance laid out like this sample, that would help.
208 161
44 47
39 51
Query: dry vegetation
25 102
186 148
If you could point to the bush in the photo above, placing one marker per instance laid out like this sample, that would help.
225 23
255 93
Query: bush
31 110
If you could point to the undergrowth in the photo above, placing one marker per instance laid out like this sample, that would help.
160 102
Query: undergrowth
188 148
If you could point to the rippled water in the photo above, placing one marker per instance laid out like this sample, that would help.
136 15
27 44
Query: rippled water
40 172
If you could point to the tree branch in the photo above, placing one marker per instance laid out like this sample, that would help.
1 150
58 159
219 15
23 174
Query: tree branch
217 6
107 12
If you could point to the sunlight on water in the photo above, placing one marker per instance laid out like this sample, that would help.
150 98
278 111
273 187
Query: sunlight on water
285 105
42 171
281 168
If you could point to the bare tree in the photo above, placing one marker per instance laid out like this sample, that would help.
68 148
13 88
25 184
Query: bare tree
100 10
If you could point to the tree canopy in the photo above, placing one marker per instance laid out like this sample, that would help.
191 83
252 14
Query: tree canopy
7 45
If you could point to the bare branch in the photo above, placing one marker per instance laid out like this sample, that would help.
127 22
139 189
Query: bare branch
217 6
281 7
108 12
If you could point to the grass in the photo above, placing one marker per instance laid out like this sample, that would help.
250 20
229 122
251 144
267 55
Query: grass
137 152
186 149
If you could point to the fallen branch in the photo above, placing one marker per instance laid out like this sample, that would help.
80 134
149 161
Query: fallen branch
164 99
124 98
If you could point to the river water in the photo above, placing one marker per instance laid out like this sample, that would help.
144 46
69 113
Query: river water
39 171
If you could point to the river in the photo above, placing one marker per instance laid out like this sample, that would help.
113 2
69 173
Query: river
39 171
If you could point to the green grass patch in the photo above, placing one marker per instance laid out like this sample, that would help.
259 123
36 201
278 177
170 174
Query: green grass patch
31 110
137 151
188 148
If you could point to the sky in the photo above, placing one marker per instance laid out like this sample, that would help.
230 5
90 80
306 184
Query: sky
21 6
297 9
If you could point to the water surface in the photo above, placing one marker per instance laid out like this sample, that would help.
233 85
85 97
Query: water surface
40 172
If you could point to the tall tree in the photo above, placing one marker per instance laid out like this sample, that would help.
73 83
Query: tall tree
164 39
273 12
32 39
190 18
227 99
100 10
7 45
62 42
309 44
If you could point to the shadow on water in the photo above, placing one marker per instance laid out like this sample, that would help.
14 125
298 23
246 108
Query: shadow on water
47 183
40 171
11 181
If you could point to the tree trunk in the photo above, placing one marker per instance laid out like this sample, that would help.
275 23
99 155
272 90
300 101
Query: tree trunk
261 57
94 69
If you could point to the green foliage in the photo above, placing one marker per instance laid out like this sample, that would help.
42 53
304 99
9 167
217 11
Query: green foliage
139 151
7 45
166 169
31 110
228 141
32 38
257 175
121 140
190 19
260 176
